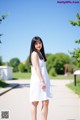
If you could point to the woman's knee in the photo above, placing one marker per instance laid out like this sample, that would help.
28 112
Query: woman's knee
35 104
46 102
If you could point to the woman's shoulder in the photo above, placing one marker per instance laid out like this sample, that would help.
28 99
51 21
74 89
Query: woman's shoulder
34 53
34 56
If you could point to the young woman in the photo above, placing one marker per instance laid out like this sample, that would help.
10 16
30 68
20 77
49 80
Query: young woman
40 84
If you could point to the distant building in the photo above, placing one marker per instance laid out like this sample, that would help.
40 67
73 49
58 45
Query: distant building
6 72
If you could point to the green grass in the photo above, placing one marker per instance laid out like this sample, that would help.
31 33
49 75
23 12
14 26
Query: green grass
26 75
76 88
20 75
62 77
3 84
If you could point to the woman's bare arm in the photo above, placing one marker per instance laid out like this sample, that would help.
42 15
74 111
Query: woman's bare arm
34 59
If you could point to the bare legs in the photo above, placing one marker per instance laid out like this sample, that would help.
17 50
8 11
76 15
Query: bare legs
44 109
34 110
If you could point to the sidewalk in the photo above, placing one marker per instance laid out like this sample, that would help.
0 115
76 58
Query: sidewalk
8 88
65 105
12 84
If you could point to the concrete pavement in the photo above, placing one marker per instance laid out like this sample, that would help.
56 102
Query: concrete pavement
8 88
65 105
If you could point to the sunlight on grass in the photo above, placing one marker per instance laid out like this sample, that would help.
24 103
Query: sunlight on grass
76 88
19 75
62 77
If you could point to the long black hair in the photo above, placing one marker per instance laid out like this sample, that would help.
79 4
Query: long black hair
32 48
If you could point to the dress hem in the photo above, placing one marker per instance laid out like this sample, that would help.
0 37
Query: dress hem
40 100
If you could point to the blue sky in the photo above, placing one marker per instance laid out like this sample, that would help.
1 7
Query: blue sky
45 18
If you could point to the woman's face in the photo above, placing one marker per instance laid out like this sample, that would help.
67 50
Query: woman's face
38 45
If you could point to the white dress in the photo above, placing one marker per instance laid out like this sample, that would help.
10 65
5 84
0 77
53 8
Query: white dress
36 93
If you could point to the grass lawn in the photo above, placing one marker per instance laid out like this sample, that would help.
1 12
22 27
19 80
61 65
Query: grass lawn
20 75
62 77
3 84
76 88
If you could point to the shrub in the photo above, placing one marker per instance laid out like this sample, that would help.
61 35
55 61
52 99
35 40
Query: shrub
14 62
57 61
27 65
21 67
50 62
52 72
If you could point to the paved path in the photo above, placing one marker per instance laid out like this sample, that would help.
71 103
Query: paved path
65 105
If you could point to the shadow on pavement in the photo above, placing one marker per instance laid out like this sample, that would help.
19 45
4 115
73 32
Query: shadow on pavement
23 85
13 86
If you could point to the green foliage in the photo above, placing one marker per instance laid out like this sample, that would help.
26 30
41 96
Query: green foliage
76 88
59 65
60 61
57 61
76 23
78 16
76 52
77 41
76 55
52 72
73 23
50 62
21 67
2 17
27 65
3 84
14 62
0 60
47 55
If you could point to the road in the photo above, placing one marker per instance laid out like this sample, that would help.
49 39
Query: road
65 105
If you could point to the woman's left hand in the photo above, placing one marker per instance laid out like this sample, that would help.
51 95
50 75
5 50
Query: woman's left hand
43 85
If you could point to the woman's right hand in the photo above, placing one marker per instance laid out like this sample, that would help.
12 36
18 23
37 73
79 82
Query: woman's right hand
43 85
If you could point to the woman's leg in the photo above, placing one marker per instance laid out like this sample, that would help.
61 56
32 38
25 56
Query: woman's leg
34 110
44 109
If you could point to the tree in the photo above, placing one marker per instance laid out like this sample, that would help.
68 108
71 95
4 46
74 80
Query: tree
27 65
76 52
76 23
57 61
0 60
50 62
60 60
21 67
14 62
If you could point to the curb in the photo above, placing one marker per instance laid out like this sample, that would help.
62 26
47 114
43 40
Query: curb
6 89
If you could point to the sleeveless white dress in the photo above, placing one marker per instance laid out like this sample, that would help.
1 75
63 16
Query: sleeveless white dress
36 93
